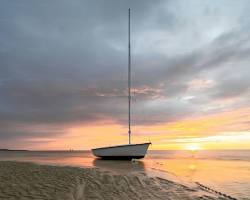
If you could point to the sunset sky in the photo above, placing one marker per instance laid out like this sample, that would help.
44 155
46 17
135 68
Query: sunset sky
63 73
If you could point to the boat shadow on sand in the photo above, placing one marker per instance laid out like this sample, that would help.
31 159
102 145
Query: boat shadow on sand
119 166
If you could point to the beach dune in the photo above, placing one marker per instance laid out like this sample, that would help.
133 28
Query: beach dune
20 180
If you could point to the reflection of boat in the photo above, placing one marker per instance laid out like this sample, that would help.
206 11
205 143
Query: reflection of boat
119 166
128 151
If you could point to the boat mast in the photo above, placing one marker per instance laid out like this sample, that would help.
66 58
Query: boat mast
129 79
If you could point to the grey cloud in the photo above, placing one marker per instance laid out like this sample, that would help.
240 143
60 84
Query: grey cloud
65 62
232 88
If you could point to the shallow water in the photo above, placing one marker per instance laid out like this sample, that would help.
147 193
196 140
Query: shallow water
225 171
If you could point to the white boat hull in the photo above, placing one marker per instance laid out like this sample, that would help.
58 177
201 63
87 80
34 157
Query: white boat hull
122 152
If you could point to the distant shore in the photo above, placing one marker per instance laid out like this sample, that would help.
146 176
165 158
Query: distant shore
13 150
22 180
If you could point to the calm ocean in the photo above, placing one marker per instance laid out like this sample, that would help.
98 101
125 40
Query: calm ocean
227 171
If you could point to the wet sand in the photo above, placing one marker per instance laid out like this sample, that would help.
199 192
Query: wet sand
21 180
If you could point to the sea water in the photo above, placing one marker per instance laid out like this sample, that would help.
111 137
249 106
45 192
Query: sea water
227 171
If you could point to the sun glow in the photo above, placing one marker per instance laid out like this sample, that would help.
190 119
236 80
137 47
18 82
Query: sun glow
192 147
226 130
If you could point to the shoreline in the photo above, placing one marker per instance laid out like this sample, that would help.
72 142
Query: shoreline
29 180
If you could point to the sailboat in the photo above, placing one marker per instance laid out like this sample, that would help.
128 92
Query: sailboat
128 151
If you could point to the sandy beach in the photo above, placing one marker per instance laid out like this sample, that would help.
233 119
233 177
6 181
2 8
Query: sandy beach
22 180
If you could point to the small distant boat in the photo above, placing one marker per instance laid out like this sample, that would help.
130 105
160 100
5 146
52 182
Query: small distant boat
128 151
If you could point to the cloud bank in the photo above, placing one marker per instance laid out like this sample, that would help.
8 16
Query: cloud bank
64 63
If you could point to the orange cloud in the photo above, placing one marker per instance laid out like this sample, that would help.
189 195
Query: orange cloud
226 130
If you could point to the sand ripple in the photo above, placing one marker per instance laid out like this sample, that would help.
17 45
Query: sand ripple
24 181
